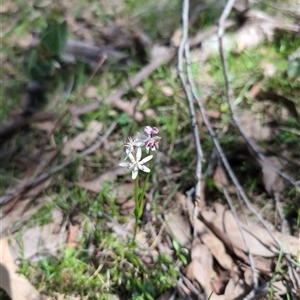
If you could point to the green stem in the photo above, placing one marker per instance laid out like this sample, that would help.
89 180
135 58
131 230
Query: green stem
139 197
136 198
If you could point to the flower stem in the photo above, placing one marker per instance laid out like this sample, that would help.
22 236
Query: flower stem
137 204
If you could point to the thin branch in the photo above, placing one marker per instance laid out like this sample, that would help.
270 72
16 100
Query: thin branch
41 178
194 93
210 129
21 122
251 144
284 224
229 95
193 88
184 50
168 53
189 284
77 96
227 10
82 90
115 98
251 260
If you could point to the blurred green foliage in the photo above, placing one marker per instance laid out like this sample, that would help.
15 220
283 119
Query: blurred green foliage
43 60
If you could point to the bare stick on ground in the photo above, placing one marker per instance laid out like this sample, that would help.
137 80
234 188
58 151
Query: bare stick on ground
251 144
183 51
41 178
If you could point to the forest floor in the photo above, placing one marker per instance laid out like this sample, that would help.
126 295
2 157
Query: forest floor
220 214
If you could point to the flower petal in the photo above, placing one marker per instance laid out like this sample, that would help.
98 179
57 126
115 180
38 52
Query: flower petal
134 174
131 157
127 151
124 164
155 130
148 130
138 154
144 168
144 160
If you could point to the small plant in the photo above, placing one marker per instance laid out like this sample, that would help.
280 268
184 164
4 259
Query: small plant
181 252
45 58
133 149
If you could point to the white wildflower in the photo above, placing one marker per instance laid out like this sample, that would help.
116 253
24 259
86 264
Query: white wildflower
130 146
137 164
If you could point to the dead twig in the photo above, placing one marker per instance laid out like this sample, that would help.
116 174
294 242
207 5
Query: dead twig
184 51
229 99
221 30
250 256
251 144
22 122
9 195
82 91
284 224
167 54
115 98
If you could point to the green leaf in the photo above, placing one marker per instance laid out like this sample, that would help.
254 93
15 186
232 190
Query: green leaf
293 70
54 38
184 251
132 258
69 253
224 107
33 59
38 67
183 259
175 245
124 119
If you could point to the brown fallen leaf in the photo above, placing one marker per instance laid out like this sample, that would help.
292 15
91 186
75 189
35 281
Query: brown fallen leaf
220 177
9 7
216 246
167 91
179 228
74 229
165 296
269 71
39 242
110 175
280 288
255 89
253 127
234 290
92 92
47 126
217 249
213 114
126 206
272 181
68 297
200 268
15 285
19 208
264 265
258 239
72 239
84 139
291 105
176 37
